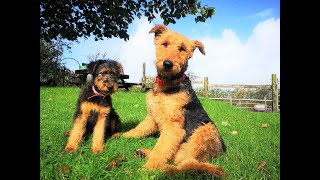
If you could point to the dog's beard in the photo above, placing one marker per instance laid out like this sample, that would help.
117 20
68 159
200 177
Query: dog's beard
107 91
102 88
175 71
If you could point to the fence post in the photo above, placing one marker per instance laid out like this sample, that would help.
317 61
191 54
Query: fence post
205 87
278 99
144 79
265 102
274 93
230 100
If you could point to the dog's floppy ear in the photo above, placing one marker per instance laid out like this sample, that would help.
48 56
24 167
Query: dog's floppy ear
199 45
158 30
92 66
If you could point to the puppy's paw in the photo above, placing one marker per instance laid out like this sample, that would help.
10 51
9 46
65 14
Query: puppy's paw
97 149
67 133
70 148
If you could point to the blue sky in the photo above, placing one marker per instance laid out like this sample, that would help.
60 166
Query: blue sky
242 43
240 15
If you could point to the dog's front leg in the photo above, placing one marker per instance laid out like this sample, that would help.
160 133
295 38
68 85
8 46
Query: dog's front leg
167 145
98 133
144 128
76 133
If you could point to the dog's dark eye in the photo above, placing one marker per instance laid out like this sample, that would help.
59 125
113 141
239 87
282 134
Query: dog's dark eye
181 49
165 44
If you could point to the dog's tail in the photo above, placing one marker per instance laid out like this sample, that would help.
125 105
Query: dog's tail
199 167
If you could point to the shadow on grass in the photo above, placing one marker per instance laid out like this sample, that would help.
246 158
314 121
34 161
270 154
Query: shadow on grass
186 175
126 126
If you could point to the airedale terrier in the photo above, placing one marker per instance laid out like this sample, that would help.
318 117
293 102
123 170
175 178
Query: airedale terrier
187 135
94 112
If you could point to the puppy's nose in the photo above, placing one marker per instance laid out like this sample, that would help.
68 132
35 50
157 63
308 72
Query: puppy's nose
167 64
110 87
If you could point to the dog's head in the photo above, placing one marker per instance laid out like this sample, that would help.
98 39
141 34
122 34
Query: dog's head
105 75
173 51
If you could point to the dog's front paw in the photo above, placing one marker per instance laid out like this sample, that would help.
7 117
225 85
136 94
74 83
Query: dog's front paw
97 149
127 134
153 165
67 133
133 133
70 148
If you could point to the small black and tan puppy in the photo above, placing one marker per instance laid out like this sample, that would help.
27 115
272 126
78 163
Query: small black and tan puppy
94 112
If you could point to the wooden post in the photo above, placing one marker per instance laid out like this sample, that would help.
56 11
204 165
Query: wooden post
206 87
144 79
274 93
265 103
230 100
278 99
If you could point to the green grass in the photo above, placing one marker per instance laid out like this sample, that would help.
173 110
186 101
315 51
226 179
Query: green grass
245 151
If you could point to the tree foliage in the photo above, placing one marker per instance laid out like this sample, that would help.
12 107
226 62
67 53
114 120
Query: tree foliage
52 71
71 19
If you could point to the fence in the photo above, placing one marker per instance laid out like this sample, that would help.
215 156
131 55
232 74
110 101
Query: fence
241 103
245 103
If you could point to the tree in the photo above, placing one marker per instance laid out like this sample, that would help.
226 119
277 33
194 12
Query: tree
52 71
71 19
192 76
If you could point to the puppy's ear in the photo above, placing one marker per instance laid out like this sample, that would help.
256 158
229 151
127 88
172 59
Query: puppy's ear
158 30
199 45
120 68
92 66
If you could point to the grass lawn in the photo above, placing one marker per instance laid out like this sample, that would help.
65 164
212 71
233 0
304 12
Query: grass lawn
249 145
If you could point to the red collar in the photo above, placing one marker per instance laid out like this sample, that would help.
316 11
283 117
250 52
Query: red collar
161 82
96 93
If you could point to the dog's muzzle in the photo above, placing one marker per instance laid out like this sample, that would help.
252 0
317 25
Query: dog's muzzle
167 65
110 87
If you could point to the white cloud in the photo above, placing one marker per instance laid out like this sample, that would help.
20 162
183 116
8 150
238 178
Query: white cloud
228 60
138 49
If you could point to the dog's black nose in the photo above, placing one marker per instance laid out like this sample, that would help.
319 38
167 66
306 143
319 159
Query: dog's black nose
110 87
167 64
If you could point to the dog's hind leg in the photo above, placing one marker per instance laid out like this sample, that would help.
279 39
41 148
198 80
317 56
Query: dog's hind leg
115 124
199 167
194 154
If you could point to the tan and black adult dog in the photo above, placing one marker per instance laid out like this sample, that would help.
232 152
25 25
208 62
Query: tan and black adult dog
188 137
